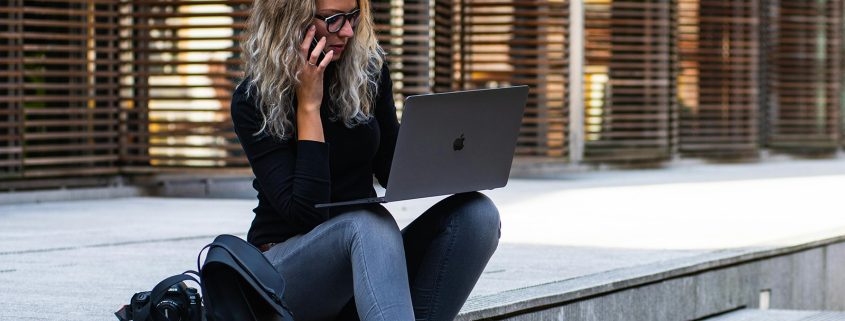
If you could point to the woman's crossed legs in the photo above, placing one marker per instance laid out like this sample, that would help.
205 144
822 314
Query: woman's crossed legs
363 254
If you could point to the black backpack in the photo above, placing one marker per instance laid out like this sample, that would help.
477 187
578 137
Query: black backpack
237 281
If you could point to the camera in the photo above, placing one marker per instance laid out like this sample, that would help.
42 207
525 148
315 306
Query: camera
179 303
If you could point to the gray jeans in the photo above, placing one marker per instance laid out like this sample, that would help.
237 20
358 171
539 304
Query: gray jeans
361 262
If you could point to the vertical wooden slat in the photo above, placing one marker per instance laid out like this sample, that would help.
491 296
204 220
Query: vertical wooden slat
718 79
68 88
446 45
181 63
507 43
767 30
804 75
842 73
629 79
10 83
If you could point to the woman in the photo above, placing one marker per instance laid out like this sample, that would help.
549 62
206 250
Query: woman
317 132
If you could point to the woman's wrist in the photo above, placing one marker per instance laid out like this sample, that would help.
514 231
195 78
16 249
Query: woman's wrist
304 106
309 125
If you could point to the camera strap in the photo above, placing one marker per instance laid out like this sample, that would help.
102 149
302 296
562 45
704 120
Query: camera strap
160 289
230 261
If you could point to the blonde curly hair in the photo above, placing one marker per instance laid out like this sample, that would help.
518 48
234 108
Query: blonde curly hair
274 31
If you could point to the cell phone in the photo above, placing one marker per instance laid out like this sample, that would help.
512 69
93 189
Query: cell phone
310 50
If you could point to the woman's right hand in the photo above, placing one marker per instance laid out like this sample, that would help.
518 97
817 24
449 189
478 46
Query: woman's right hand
309 93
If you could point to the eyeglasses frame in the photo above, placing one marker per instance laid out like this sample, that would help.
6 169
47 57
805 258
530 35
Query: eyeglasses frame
346 16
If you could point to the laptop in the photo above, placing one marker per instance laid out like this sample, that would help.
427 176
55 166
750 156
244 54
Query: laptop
453 143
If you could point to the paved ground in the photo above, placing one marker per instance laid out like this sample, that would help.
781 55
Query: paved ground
81 260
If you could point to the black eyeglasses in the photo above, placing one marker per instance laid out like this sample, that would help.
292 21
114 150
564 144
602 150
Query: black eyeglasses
336 21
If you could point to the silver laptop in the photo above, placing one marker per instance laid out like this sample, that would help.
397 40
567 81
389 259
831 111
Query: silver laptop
453 143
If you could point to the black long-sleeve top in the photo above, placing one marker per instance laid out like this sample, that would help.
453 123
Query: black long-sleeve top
291 175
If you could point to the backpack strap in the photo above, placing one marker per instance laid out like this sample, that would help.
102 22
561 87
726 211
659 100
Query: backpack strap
160 289
223 242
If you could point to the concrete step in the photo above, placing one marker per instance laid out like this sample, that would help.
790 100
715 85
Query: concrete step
780 315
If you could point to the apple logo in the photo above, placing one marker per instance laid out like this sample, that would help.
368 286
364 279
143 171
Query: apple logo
459 143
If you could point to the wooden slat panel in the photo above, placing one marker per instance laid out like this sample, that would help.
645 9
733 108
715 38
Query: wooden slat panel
101 87
628 73
505 43
804 75
178 81
718 49
403 31
65 90
178 69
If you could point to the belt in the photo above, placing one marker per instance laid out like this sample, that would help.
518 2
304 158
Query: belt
266 246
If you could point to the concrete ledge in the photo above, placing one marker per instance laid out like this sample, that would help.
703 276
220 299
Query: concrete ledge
219 186
193 186
74 194
801 273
